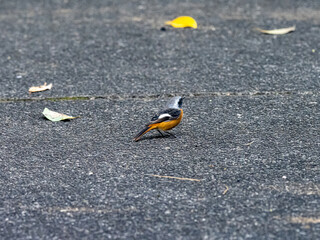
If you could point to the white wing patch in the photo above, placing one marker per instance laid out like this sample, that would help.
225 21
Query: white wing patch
164 115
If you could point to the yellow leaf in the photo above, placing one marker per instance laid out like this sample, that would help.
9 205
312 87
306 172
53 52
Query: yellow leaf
55 116
183 22
277 31
41 88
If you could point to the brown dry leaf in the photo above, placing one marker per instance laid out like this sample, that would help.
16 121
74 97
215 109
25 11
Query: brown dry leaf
41 88
277 31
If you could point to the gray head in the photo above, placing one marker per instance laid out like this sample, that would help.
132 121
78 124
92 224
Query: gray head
175 102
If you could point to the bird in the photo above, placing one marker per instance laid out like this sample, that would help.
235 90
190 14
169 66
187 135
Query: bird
165 119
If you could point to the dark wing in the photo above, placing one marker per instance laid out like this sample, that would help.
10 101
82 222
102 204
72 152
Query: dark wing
166 115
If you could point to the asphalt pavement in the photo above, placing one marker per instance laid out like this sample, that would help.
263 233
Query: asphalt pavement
245 160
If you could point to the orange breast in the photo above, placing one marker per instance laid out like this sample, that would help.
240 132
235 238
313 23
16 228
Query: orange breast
170 124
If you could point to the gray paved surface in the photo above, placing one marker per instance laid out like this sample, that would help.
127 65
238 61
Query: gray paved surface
250 131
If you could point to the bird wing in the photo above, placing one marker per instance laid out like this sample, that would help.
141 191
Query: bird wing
166 115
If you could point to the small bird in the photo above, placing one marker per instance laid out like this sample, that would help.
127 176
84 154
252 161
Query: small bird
166 119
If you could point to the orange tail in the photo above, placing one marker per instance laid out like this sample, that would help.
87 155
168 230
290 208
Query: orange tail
144 131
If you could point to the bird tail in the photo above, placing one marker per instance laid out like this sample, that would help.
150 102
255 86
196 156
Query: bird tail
144 131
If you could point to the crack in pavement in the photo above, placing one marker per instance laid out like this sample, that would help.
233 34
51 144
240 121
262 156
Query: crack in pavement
155 96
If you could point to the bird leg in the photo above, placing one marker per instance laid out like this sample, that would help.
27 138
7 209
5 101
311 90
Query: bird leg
160 132
171 134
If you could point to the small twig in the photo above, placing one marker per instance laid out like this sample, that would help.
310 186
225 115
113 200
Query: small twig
304 220
179 178
248 144
88 210
225 191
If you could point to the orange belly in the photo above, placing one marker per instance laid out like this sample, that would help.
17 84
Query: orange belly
168 125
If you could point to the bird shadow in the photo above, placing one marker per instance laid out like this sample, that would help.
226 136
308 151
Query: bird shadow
155 137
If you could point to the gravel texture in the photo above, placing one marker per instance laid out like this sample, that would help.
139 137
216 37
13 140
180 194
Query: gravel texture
246 158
